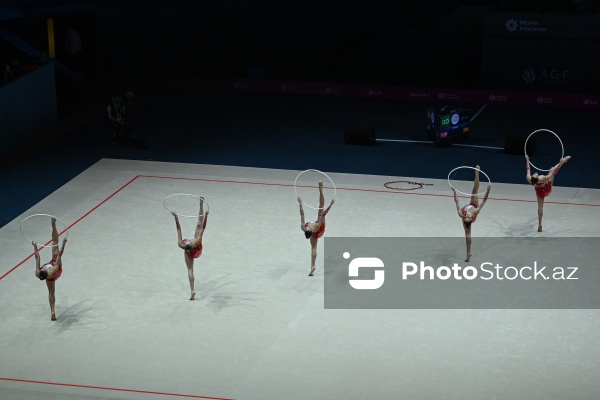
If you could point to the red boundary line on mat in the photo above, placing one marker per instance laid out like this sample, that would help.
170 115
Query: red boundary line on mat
113 389
69 227
282 185
366 190
219 181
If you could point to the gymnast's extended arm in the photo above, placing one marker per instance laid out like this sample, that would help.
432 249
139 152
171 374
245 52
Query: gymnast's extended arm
302 222
487 193
37 259
457 203
528 176
179 240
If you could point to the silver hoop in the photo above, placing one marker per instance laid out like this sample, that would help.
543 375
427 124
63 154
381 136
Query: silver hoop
44 215
547 130
185 194
466 166
320 172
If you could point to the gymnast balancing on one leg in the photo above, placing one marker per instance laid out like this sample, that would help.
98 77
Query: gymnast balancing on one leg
543 185
52 270
315 230
193 246
468 214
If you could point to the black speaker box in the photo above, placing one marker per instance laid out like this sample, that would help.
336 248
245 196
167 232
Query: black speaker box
516 144
360 135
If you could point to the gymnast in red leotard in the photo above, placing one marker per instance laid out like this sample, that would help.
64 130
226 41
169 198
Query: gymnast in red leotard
314 230
51 270
543 185
193 246
468 214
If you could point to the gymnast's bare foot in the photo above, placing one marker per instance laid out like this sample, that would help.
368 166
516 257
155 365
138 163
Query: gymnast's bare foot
193 296
477 167
312 271
468 258
53 317
539 228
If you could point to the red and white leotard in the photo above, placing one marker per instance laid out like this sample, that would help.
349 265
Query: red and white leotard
195 252
543 189
466 209
320 232
49 265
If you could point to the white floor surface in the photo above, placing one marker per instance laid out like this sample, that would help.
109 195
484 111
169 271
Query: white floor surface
258 328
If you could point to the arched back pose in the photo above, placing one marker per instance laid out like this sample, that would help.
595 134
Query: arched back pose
315 230
51 270
543 185
193 246
468 214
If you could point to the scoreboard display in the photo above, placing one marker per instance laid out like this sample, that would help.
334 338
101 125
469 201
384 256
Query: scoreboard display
448 125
